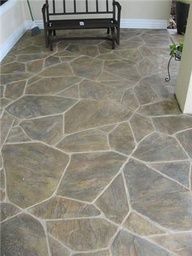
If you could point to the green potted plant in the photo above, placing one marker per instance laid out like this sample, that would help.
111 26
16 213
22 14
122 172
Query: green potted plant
176 50
182 10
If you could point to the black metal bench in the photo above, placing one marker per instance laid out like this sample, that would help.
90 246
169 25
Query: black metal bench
66 15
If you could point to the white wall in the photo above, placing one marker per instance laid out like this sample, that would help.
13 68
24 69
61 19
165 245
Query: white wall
12 25
184 80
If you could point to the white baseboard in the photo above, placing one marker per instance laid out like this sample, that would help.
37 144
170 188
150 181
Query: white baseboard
144 23
12 40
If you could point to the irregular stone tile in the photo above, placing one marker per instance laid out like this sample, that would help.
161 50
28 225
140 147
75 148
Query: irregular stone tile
157 197
106 129
145 93
14 67
57 249
2 179
98 253
17 135
51 85
88 174
109 56
141 226
34 106
2 195
3 103
51 60
87 67
158 147
146 67
121 85
30 57
84 141
121 139
97 91
14 77
1 91
81 49
82 234
6 122
47 129
33 173
178 243
166 107
113 202
129 54
7 210
156 40
62 69
141 126
32 50
123 69
23 235
185 139
107 76
14 90
61 208
128 245
72 92
35 66
178 171
130 100
172 124
89 113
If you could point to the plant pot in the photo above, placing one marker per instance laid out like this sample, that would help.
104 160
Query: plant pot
182 10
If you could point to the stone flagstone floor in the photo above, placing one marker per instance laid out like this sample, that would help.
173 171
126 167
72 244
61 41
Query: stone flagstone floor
96 155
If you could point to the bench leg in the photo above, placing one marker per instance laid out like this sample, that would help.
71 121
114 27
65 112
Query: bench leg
118 35
113 37
108 31
46 38
54 32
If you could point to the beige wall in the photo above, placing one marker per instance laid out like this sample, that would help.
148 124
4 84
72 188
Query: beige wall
131 9
184 81
11 19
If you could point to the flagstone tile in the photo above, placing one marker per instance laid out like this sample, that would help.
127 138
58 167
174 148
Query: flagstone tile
81 49
158 147
157 197
179 243
113 202
98 253
132 54
82 234
56 248
2 179
33 173
178 171
121 139
62 69
87 67
51 85
17 135
14 67
172 124
23 235
47 129
90 113
14 77
129 99
2 195
93 90
7 210
14 90
141 126
31 57
35 66
145 93
2 89
166 107
35 106
51 60
122 69
6 122
91 140
71 92
185 139
88 174
61 208
128 245
141 226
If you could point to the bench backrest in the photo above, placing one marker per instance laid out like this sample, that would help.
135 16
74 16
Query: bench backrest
71 7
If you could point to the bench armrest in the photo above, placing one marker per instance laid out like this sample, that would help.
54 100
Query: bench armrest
117 11
45 12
